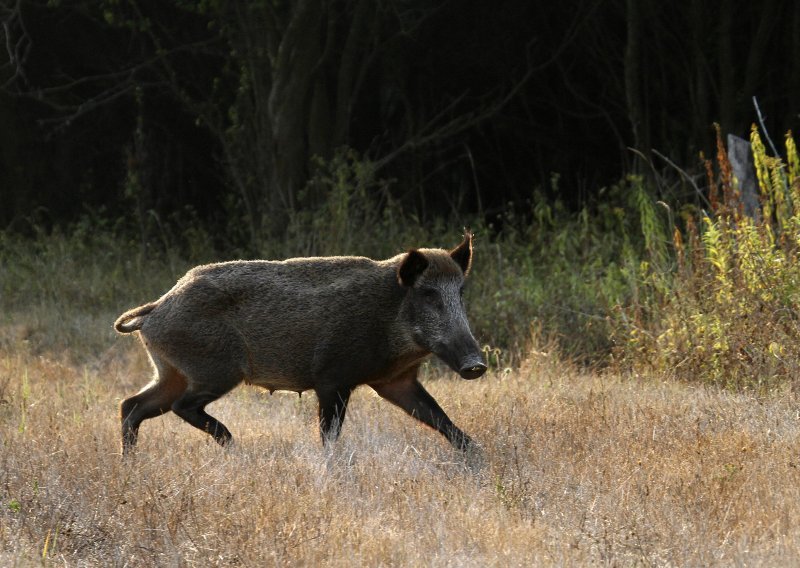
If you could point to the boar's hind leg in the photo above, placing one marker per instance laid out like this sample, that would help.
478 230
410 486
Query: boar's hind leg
153 400
332 408
191 407
408 394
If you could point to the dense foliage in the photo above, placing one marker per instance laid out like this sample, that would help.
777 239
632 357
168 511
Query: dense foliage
726 311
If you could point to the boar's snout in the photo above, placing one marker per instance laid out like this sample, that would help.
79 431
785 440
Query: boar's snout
472 370
464 357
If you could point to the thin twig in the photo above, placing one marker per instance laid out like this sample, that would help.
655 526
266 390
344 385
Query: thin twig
764 128
684 174
781 170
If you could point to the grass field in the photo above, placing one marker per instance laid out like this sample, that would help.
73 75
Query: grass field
575 468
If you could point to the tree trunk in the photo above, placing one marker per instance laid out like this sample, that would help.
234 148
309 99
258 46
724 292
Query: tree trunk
294 72
758 64
286 111
699 91
633 77
727 85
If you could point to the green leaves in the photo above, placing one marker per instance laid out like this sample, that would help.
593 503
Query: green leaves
729 315
14 506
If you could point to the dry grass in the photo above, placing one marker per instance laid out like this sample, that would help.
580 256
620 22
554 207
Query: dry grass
576 469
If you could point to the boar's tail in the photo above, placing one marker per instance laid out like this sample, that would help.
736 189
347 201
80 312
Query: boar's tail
132 320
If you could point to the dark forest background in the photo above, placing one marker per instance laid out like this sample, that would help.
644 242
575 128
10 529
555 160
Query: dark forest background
223 111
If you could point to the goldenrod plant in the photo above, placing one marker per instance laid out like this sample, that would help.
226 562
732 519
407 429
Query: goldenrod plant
729 313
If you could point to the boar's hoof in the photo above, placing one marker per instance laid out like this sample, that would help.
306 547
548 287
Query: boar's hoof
472 371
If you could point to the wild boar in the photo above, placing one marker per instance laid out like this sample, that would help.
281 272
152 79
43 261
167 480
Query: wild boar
327 324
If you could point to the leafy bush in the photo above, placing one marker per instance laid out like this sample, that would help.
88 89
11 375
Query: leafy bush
561 273
726 314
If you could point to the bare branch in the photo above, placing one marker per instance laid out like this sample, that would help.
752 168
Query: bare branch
434 130
764 127
683 173
121 83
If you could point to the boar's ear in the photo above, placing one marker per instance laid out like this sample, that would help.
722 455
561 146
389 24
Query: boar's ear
462 254
413 265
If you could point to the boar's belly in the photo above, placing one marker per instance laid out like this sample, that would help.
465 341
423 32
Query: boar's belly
277 382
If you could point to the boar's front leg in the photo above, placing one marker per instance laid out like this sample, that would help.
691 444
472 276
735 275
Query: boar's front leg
332 408
409 394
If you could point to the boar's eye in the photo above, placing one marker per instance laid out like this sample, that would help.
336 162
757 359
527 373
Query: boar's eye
429 294
432 298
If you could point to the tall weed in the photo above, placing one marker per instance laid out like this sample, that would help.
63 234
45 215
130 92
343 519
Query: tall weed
727 314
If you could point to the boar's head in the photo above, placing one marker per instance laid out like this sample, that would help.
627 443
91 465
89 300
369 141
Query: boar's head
434 305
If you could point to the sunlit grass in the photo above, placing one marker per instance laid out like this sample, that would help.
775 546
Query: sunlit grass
575 468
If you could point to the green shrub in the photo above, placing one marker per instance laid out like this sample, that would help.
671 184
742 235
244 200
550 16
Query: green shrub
727 313
561 272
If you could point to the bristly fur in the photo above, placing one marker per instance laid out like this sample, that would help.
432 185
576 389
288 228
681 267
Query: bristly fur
327 324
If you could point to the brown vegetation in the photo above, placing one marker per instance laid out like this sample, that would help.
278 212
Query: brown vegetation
576 468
